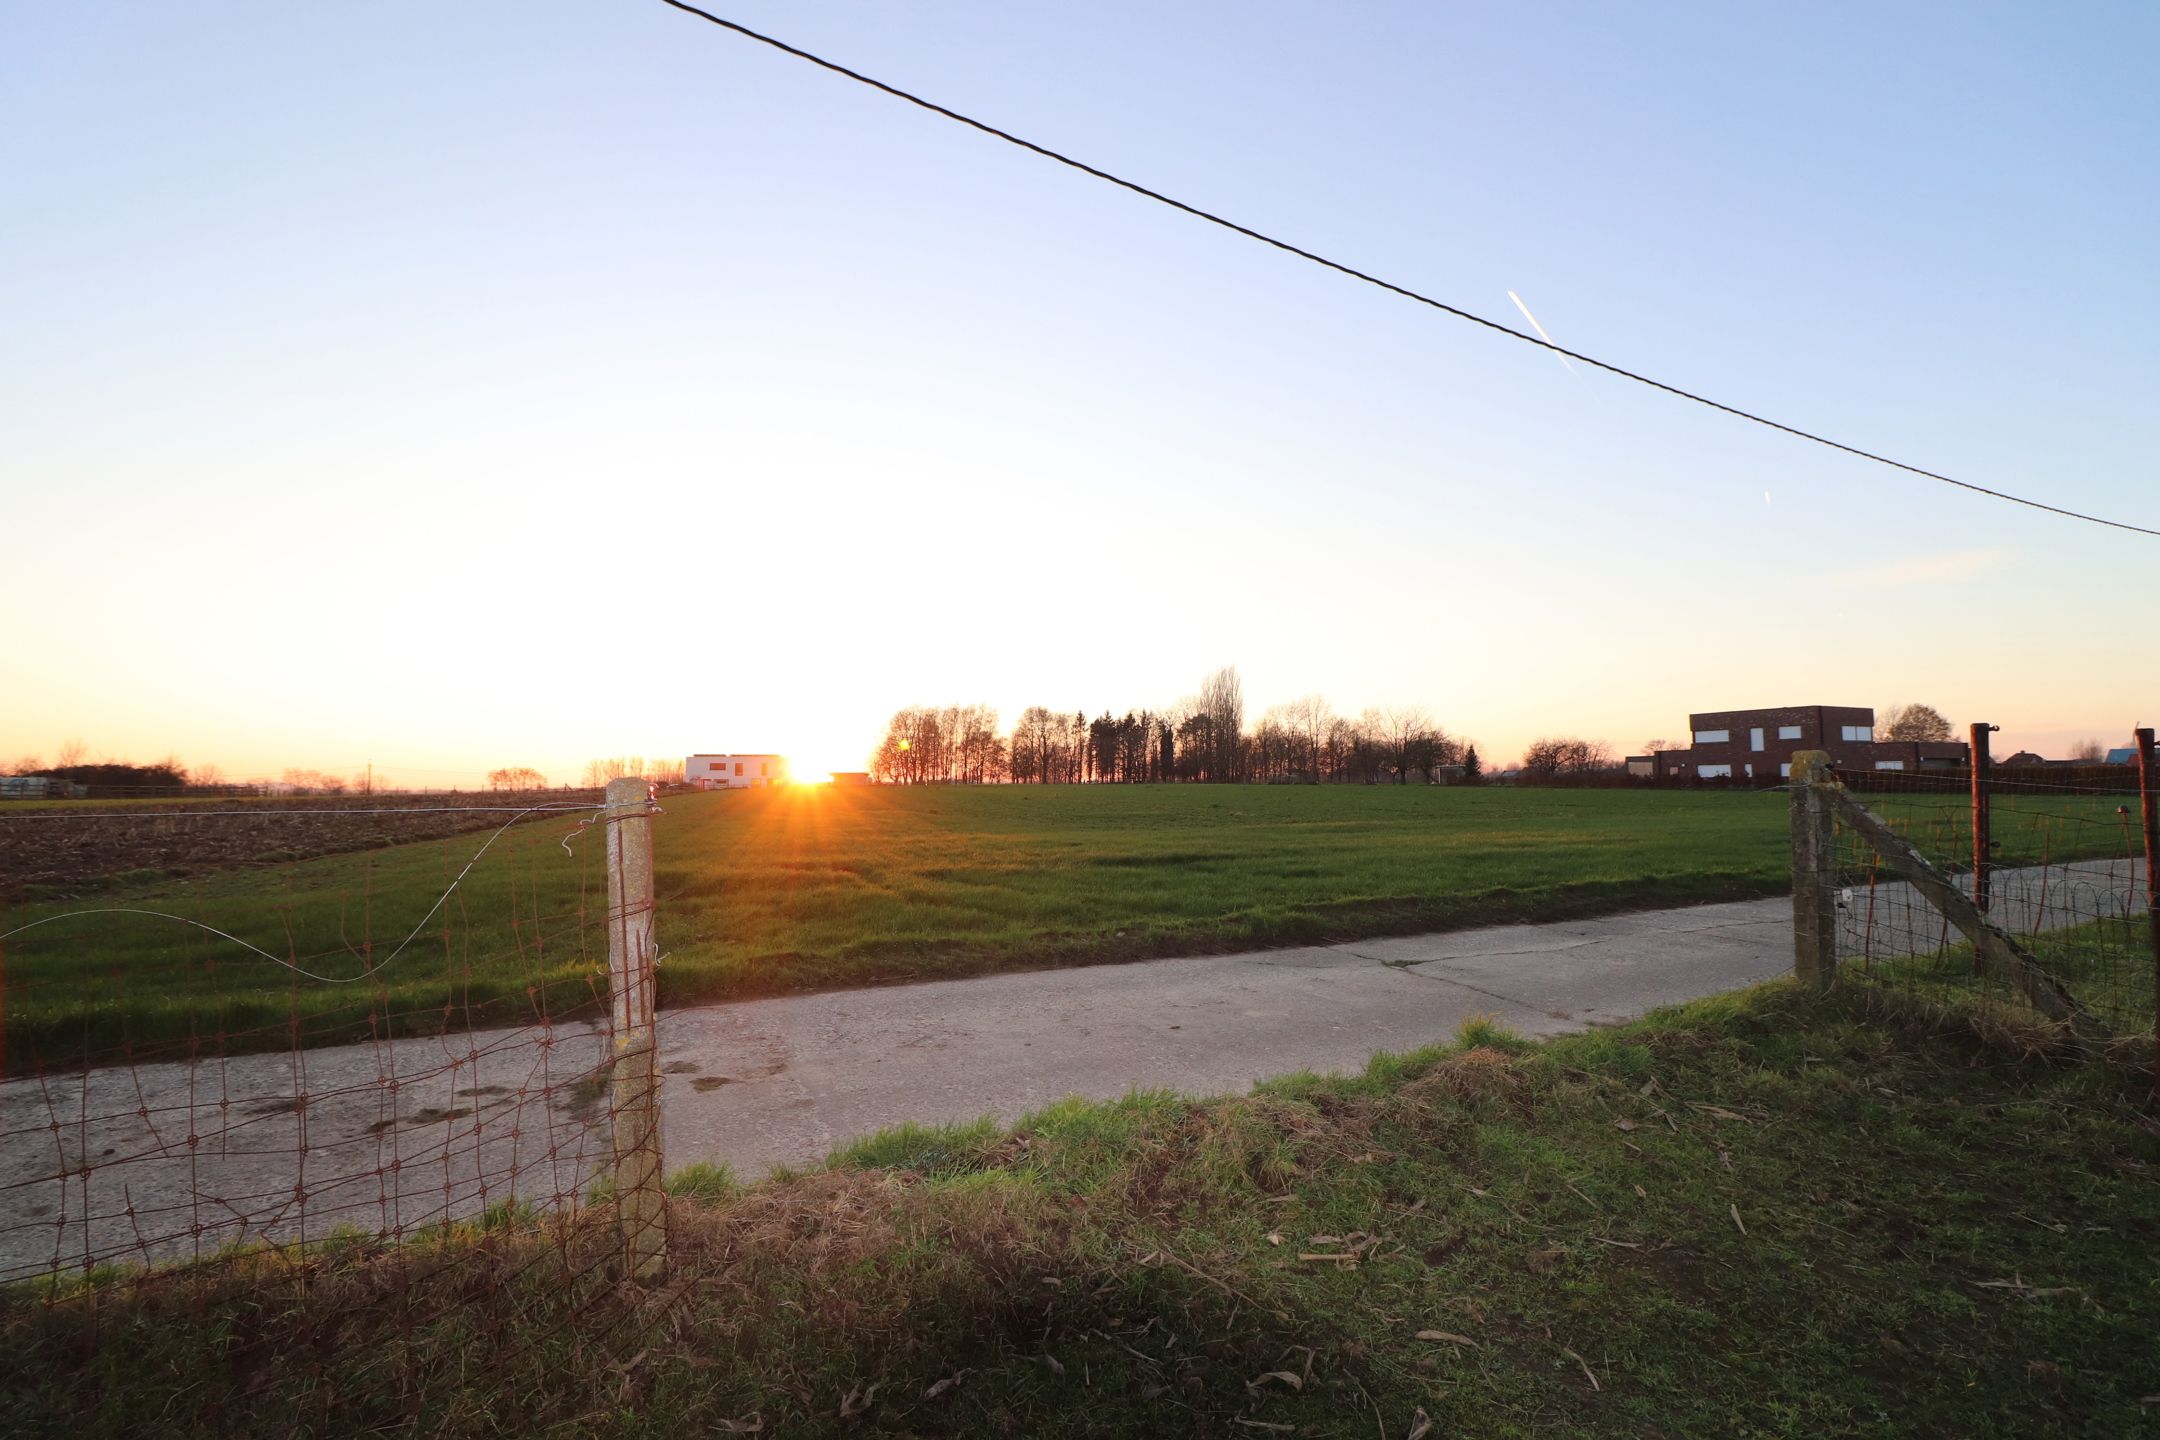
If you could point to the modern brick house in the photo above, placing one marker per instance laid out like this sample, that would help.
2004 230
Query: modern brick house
1744 745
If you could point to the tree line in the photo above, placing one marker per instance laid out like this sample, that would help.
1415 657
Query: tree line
1202 738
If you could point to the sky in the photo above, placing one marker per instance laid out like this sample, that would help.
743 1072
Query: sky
490 384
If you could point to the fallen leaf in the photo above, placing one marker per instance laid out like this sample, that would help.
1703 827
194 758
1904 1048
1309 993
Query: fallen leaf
1736 1218
1323 1240
1288 1377
1052 1364
1586 1370
939 1387
1623 1123
1420 1426
1644 1194
751 1426
858 1399
1448 1338
1275 1237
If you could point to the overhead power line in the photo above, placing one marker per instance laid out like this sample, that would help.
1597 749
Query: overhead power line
1388 285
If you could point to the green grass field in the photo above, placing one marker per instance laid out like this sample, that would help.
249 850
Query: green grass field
780 890
1768 1215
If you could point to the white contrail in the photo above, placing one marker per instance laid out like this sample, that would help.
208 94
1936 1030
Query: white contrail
1539 328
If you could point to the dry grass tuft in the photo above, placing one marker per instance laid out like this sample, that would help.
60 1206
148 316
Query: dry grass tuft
1477 1074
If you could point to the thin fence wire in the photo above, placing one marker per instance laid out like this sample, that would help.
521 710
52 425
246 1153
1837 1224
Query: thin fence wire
212 1072
2061 870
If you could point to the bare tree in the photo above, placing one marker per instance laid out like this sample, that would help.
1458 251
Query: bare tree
2088 752
1222 701
1407 732
26 765
516 777
314 782
71 755
1309 718
1659 747
1564 758
1911 722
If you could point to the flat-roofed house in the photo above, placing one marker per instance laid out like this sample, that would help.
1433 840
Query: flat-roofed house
734 772
1744 745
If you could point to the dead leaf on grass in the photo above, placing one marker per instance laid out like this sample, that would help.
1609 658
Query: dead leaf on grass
754 1425
858 1399
939 1387
1736 1218
1275 1237
1288 1377
1420 1425
1642 1193
1586 1370
1623 1123
1448 1337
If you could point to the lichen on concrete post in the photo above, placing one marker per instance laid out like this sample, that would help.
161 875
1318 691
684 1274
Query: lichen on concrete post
640 1200
1814 869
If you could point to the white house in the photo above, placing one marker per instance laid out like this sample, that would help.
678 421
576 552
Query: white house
734 772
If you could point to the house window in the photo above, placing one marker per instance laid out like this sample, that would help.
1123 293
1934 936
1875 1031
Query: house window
1788 732
764 768
1714 772
1754 738
1751 767
1858 732
1889 764
1785 771
716 765
1712 737
738 767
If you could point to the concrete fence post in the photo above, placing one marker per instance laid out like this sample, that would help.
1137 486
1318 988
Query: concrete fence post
1814 869
641 1203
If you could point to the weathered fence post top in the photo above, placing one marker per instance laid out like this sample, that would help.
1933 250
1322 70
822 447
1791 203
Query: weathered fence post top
1811 767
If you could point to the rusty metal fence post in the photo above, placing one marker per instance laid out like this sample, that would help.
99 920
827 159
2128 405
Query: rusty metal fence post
2149 811
1814 869
640 1200
1983 830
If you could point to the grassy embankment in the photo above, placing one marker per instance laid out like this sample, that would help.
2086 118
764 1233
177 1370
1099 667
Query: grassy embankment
783 890
1764 1215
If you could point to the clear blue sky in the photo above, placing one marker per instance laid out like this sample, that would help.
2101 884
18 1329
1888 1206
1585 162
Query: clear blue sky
372 373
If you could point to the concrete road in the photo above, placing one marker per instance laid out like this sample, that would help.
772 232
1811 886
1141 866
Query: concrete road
800 1075
161 1161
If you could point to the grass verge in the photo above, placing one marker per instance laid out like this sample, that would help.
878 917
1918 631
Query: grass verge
1770 1214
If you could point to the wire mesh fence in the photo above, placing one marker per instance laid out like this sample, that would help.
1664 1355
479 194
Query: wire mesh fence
215 1068
2060 871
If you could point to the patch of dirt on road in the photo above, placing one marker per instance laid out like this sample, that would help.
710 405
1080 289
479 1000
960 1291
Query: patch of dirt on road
100 847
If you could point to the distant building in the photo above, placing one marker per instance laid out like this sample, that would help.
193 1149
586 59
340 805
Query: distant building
1643 767
2123 755
40 787
734 772
850 777
1746 745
